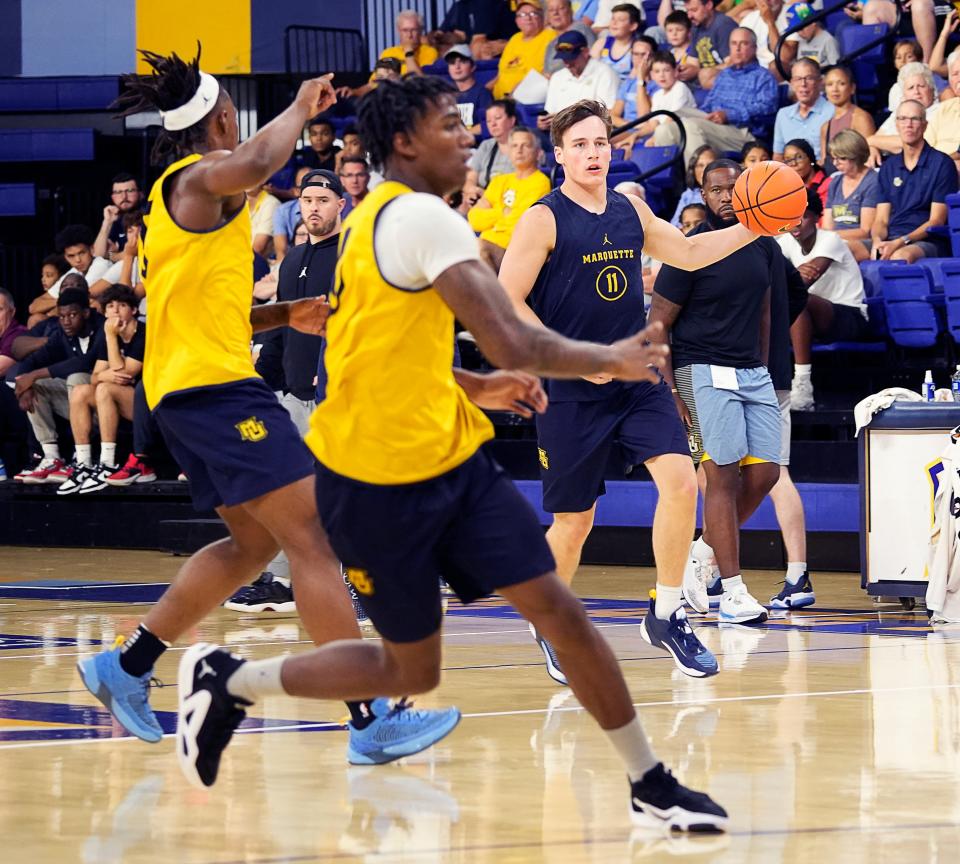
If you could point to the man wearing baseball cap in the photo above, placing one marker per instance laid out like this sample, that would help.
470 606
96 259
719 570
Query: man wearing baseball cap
472 97
582 77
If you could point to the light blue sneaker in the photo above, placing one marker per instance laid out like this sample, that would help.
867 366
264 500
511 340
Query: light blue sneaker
124 696
675 636
398 731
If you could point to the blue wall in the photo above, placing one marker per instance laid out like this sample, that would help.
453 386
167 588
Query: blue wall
269 18
78 37
10 37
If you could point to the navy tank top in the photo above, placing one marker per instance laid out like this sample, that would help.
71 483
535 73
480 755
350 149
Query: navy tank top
591 286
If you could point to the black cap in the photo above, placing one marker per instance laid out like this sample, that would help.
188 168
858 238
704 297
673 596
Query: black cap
323 178
570 44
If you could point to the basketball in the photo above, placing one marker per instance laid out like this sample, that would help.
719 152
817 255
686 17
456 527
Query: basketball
769 198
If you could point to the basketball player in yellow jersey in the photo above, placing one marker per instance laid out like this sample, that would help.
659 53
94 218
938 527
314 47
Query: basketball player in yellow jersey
404 488
223 425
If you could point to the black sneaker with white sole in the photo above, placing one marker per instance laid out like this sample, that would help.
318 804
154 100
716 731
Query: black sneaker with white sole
207 713
264 595
658 800
97 479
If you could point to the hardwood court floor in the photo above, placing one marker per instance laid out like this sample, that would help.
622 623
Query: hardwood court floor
831 735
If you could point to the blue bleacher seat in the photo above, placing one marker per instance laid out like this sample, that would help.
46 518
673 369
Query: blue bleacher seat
527 114
650 8
649 157
865 66
950 272
46 145
935 266
18 199
911 307
953 221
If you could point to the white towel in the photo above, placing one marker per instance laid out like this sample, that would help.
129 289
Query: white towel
865 409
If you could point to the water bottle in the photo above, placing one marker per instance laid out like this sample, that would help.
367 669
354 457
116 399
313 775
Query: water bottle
955 384
927 390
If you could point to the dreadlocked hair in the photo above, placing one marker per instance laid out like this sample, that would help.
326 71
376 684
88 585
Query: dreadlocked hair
395 106
171 83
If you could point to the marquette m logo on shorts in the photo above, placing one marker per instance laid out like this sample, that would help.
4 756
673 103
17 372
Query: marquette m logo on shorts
544 461
611 283
360 580
252 429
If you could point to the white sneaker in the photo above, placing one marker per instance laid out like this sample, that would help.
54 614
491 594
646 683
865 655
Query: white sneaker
740 607
694 587
801 394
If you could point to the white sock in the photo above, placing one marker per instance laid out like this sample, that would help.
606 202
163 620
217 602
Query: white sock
257 678
795 571
51 451
802 369
702 550
731 583
283 580
669 599
84 456
108 453
632 744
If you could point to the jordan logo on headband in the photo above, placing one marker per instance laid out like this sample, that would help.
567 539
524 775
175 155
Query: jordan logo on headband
196 109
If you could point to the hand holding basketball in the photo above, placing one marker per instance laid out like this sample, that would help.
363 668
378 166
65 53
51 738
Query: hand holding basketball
769 198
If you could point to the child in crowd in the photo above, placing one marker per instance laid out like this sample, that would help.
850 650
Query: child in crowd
615 49
52 269
691 216
322 152
754 152
677 27
671 95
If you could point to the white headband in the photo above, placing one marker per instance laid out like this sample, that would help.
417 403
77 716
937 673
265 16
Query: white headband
200 104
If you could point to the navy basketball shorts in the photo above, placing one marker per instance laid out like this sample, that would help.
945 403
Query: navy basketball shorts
469 526
575 441
235 442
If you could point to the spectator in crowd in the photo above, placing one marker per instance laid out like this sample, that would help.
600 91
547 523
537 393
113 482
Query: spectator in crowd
753 152
473 98
738 107
492 157
525 51
917 83
75 243
805 117
124 197
709 43
44 306
286 217
614 49
124 270
300 234
386 69
263 207
485 25
767 19
692 194
509 196
938 58
110 393
922 16
560 19
352 146
354 176
671 95
677 28
601 13
840 89
943 130
692 216
322 152
836 311
815 42
904 51
798 154
853 193
409 55
913 188
583 77
48 376
627 106
10 329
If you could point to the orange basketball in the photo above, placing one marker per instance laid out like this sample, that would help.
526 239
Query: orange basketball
769 198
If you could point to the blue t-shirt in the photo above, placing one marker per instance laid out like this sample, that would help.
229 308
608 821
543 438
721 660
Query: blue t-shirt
472 105
286 217
711 44
628 93
846 210
911 192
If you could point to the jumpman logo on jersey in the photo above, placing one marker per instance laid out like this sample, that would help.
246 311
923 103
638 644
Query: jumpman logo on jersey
206 669
303 273
606 240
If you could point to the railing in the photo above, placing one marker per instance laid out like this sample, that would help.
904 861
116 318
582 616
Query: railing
820 16
311 50
681 146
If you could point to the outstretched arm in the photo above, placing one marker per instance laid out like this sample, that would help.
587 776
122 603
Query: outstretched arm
308 315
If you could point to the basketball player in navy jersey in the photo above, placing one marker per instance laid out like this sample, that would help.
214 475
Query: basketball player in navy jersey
575 258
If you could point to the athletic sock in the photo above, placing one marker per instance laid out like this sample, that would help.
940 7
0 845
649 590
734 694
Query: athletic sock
257 678
84 456
669 600
361 713
283 580
141 651
108 453
802 369
795 571
702 550
51 451
632 744
732 583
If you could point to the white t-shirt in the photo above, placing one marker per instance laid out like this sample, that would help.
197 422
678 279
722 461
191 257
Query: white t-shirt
677 97
889 126
418 237
98 267
842 283
754 21
597 81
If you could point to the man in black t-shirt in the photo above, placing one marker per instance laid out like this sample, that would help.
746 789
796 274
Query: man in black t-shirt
119 362
719 319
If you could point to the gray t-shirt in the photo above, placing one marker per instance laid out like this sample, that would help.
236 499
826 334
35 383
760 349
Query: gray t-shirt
822 48
488 161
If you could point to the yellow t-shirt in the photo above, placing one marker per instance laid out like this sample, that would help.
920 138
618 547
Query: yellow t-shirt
425 55
507 192
519 57
199 292
393 412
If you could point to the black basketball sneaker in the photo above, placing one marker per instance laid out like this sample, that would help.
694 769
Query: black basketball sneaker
658 800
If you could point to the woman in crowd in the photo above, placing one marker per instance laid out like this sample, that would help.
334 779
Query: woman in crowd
699 159
840 88
799 155
853 193
754 152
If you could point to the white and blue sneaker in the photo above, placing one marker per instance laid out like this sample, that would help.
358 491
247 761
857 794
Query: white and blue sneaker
122 694
398 731
795 596
658 800
696 575
739 606
675 636
550 656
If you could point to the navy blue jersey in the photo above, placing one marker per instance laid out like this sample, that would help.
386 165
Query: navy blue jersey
591 286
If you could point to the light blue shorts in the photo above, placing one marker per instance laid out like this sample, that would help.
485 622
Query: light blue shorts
735 424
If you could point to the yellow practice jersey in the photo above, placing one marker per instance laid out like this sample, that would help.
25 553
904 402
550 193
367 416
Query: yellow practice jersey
393 413
199 292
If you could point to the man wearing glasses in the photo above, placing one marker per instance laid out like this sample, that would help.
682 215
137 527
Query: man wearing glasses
804 117
913 188
526 50
355 177
124 197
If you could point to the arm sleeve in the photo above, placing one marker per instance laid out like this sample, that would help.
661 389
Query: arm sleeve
99 350
829 245
883 187
418 237
39 359
778 141
270 361
76 363
796 291
946 181
673 284
871 194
